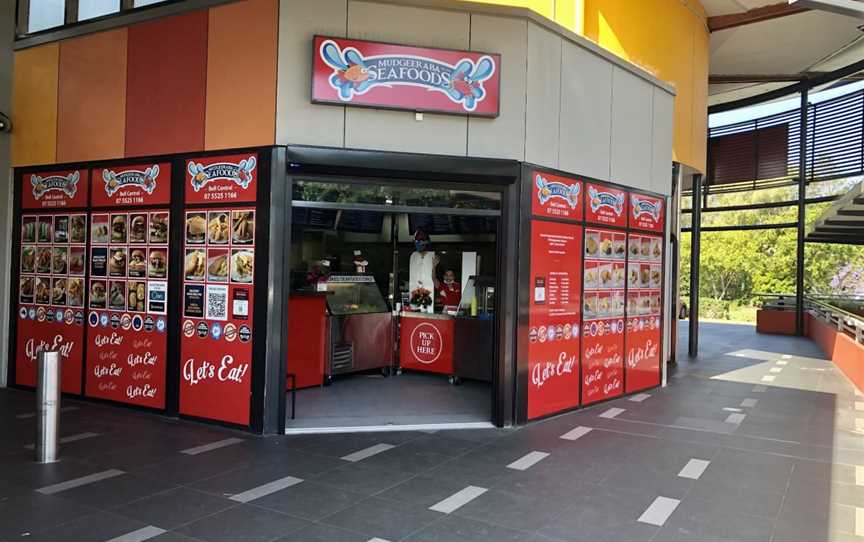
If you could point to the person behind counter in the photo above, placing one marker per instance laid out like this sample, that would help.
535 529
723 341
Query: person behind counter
448 291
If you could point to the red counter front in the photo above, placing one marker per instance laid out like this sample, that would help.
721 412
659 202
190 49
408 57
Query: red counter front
426 344
307 339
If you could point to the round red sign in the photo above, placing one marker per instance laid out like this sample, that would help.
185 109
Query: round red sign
426 343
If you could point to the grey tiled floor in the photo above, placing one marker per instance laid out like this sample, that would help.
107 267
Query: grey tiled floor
785 473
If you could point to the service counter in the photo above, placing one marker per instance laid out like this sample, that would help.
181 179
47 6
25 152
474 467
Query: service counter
457 346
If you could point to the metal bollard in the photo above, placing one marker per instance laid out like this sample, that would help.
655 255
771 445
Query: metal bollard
47 406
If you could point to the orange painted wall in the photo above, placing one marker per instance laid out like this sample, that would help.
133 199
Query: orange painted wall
166 85
241 75
91 116
841 349
34 103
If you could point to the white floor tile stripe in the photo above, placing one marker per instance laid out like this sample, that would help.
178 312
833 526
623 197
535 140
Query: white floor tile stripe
731 409
212 446
33 414
694 469
781 363
759 388
859 521
768 378
749 403
140 535
376 539
70 438
458 499
266 489
859 406
786 356
528 460
659 511
612 412
639 397
859 475
736 418
574 434
859 424
367 452
78 482
775 370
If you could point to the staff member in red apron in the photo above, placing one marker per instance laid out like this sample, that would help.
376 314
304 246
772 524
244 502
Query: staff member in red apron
449 291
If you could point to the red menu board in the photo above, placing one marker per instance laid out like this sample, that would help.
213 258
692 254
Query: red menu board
644 323
51 295
222 179
216 345
555 196
143 184
54 190
603 315
553 317
605 205
128 304
374 74
646 213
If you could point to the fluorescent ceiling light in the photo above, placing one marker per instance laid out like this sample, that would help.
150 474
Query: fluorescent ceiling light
852 8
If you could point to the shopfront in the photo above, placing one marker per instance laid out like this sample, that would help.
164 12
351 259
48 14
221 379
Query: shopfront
457 220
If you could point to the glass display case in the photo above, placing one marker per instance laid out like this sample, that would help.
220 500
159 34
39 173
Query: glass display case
354 294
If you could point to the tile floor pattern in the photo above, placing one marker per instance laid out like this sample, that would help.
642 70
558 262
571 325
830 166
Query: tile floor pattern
671 467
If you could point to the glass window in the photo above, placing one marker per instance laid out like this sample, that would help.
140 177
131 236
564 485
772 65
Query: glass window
394 195
139 3
46 14
90 9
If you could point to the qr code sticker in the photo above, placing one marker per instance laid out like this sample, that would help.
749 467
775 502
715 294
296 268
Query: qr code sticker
217 302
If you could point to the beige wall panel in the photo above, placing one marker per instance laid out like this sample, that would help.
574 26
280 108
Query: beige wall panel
632 101
544 98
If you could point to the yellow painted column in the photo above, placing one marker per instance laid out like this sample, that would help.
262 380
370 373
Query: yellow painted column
34 105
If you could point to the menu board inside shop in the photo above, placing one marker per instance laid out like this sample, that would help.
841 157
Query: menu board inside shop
553 317
143 184
54 190
603 315
128 306
222 179
605 205
646 213
555 196
216 342
51 295
644 323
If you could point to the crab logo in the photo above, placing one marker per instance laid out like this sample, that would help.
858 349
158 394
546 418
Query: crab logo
68 184
355 74
146 179
646 207
598 199
547 190
240 173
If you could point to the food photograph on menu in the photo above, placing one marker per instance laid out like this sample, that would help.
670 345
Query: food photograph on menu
196 228
242 265
42 288
138 228
75 292
76 261
26 290
217 265
28 259
98 290
58 291
117 295
243 227
78 229
158 228
59 259
157 264
119 233
45 229
43 260
137 295
195 264
137 262
99 230
28 229
117 262
61 229
218 228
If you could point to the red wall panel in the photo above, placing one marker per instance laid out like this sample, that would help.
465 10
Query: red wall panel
841 349
167 75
